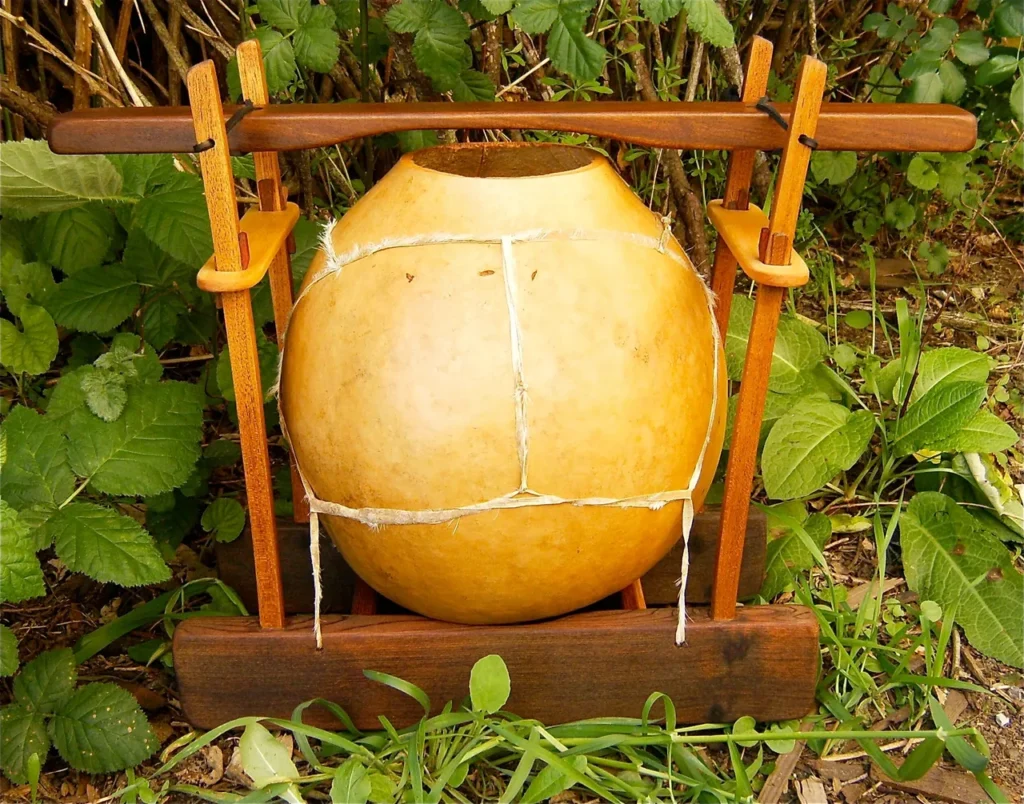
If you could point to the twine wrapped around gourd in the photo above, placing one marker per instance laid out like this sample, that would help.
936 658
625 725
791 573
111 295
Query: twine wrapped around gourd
503 385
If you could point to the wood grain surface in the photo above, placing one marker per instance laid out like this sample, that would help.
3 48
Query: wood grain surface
763 663
713 124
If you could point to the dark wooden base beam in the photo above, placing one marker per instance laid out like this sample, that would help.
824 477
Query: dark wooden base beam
235 567
603 663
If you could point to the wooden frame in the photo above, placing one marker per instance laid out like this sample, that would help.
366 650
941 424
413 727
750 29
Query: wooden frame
760 661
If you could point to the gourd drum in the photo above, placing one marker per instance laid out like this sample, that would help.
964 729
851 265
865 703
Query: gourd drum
508 330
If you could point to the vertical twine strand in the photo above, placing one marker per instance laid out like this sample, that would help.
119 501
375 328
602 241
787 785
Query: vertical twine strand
508 270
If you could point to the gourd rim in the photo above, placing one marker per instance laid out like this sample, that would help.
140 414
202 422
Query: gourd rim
506 160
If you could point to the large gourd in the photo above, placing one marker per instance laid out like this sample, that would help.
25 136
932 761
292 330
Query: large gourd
494 319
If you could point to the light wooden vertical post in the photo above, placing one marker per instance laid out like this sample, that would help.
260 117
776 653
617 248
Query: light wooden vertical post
208 118
737 181
776 247
253 79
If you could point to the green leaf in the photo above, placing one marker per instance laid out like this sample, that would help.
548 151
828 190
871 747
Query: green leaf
886 86
706 18
21 577
970 48
35 181
926 88
835 167
900 213
996 70
282 14
470 85
151 448
938 415
440 48
8 652
414 140
25 283
949 365
74 239
346 13
921 174
105 393
984 432
569 47
497 7
160 319
787 554
268 358
535 16
1008 21
45 682
659 11
142 173
1017 98
101 729
174 217
799 348
32 348
808 447
106 545
489 684
96 299
264 759
22 734
953 175
551 781
36 471
316 43
278 58
351 783
224 518
949 559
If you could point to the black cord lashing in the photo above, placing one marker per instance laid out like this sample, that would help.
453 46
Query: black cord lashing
233 121
765 105
810 142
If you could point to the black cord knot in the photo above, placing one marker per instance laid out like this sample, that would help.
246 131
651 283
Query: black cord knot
233 121
765 105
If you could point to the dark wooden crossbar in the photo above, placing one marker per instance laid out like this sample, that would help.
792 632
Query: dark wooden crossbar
713 125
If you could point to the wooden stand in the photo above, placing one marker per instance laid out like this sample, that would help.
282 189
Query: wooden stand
760 661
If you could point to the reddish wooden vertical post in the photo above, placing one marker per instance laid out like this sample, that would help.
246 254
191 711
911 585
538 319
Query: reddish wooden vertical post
737 181
215 161
776 247
253 79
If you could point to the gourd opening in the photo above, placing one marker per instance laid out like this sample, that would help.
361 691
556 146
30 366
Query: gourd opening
509 161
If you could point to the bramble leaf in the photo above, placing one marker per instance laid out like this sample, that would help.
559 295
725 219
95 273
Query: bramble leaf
21 577
32 348
36 471
47 680
101 729
706 18
106 545
174 217
25 283
74 239
152 447
22 734
95 299
8 652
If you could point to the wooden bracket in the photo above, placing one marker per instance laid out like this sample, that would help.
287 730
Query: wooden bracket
215 162
775 248
265 235
740 234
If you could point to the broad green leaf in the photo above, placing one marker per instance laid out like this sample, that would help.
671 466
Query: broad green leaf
74 239
264 759
470 85
21 577
25 284
282 14
96 299
101 729
899 212
926 88
1017 98
970 48
224 518
921 174
953 175
106 545
36 471
996 70
142 173
45 682
938 415
886 86
22 734
160 319
834 167
105 394
949 559
984 432
346 13
775 406
535 16
152 447
351 783
34 181
948 365
410 16
811 445
659 11
32 348
316 43
414 140
745 725
440 48
1008 21
706 18
8 652
278 58
787 554
799 348
571 50
953 82
489 684
154 267
497 7
174 217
